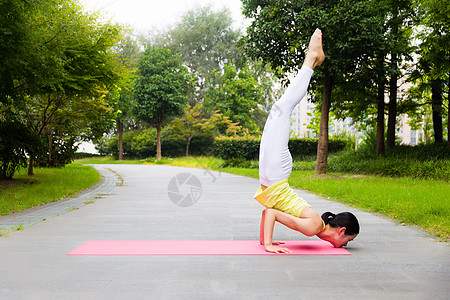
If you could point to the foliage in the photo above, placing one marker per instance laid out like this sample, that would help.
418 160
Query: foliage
121 96
433 67
141 143
71 51
136 143
280 32
84 119
237 95
205 40
424 161
248 148
16 142
435 36
14 45
65 58
160 90
194 122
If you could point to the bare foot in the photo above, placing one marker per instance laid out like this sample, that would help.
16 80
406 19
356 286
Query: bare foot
315 56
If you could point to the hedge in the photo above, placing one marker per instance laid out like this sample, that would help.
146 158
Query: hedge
142 144
248 148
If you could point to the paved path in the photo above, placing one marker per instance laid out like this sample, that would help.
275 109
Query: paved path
388 261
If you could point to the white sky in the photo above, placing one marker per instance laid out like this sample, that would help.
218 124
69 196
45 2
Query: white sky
147 15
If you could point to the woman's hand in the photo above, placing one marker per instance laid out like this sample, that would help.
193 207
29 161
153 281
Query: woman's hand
273 243
276 249
278 243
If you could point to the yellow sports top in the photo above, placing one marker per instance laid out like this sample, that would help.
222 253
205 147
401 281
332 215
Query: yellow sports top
281 196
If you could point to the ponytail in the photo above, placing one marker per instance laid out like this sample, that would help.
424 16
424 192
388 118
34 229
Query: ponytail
344 219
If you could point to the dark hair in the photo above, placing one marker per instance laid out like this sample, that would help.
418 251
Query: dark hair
344 219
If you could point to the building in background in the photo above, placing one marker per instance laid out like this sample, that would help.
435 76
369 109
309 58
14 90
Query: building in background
407 135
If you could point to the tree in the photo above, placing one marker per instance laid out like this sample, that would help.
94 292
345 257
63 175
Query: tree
81 119
205 40
14 45
435 56
237 95
161 87
69 59
121 96
194 122
397 31
280 32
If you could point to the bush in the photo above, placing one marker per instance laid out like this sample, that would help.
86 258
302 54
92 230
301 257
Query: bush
80 155
236 148
430 152
142 144
424 161
248 148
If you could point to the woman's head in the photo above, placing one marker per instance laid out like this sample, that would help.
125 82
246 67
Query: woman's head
344 225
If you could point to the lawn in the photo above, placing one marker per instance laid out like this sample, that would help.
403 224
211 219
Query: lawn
47 185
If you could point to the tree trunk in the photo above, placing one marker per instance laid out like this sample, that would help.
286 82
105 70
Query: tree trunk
187 147
436 106
380 105
31 165
392 116
50 148
380 120
425 132
158 141
322 146
120 130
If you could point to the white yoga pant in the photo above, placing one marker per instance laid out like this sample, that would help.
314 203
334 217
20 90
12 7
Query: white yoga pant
275 160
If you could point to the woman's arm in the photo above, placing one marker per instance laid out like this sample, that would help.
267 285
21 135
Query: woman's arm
309 226
266 233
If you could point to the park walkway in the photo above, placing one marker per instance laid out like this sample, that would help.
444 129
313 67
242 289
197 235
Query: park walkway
388 261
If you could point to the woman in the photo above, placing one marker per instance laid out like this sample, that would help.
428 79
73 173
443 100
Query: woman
275 166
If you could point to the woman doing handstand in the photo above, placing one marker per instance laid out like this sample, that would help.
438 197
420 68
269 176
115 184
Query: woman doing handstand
275 166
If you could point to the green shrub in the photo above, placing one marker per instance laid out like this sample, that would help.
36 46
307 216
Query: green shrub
430 152
248 148
236 148
80 155
142 144
425 161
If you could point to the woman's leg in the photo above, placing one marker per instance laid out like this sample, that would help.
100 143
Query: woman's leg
275 160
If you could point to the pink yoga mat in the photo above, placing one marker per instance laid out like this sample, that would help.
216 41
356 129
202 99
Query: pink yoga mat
200 247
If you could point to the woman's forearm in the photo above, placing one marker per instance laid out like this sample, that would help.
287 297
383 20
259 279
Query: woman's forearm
269 219
261 228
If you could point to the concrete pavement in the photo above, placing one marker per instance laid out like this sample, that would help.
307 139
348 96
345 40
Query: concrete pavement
388 261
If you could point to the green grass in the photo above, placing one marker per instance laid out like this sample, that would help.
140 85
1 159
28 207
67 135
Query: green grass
47 185
424 203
